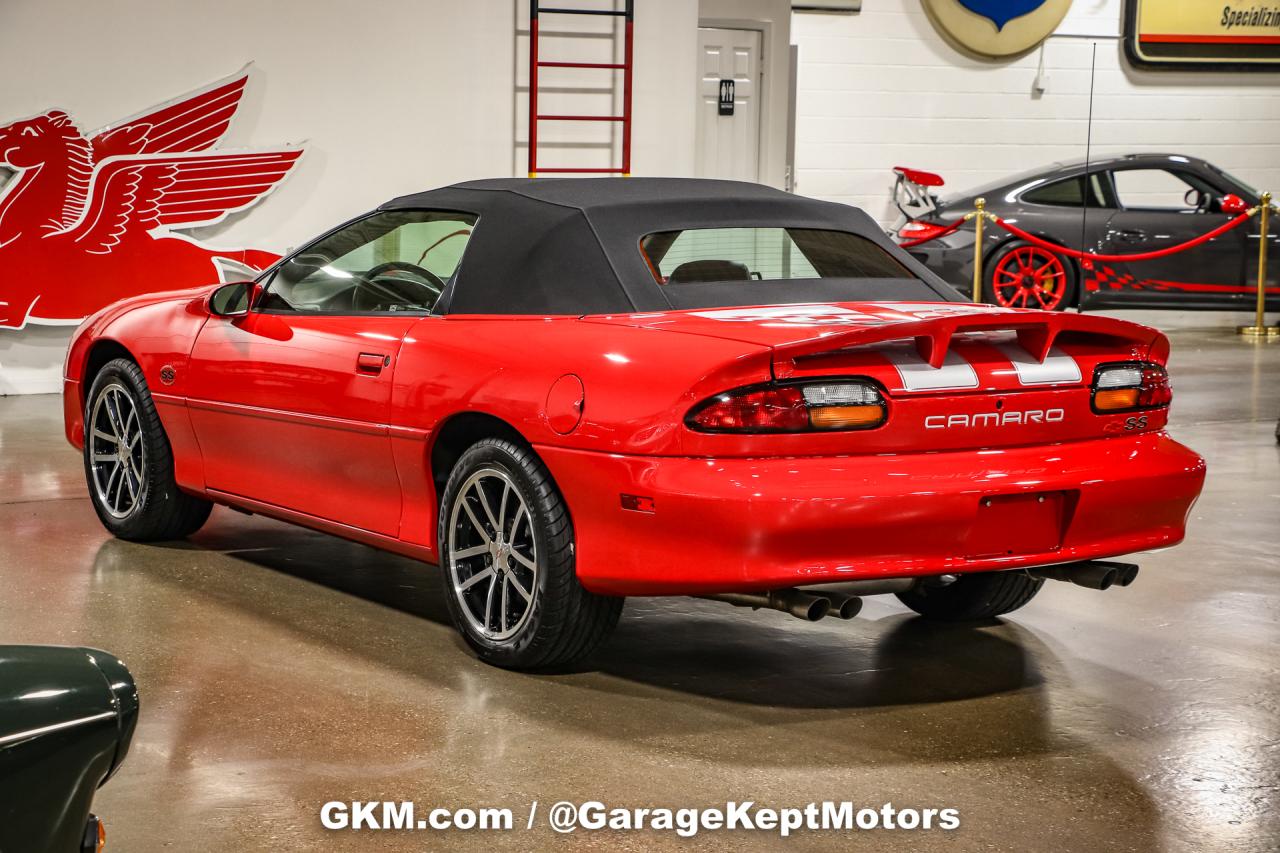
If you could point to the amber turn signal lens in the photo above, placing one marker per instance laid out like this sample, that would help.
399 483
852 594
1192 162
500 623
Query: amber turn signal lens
845 417
1117 398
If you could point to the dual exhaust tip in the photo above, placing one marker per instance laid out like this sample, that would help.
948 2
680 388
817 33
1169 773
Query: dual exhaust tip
1094 574
807 606
844 601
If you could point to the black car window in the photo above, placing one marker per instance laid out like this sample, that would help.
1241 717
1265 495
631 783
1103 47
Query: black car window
1069 192
385 263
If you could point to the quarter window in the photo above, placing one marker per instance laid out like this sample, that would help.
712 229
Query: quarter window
1069 193
385 263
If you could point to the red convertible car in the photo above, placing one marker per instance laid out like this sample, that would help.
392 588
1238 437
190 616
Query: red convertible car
565 392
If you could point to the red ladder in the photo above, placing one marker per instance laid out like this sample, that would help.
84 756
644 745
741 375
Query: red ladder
628 13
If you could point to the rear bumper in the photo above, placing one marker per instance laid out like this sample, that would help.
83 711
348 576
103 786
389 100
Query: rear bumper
721 525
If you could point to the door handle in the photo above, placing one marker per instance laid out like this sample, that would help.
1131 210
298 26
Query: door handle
1131 236
372 362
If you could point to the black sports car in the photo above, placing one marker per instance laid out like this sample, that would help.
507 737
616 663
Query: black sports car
1118 206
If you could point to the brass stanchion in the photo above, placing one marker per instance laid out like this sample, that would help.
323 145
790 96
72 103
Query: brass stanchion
980 216
1260 329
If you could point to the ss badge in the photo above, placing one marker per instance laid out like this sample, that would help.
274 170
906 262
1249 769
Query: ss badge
1139 422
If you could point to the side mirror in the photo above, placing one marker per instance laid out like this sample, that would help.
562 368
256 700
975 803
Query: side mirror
1233 204
1195 199
232 300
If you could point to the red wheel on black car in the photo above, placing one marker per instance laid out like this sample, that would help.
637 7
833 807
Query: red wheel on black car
1022 275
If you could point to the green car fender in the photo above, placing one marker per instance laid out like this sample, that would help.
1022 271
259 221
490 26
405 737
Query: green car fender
67 717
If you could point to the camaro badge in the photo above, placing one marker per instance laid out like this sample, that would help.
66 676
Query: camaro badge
995 419
997 27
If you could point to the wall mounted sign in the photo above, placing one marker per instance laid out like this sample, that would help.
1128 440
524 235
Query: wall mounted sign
997 27
726 97
86 219
1228 34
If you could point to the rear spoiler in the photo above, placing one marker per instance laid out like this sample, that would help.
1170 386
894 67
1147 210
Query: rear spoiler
1036 332
911 193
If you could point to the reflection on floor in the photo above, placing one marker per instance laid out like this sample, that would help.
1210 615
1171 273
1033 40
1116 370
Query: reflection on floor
281 668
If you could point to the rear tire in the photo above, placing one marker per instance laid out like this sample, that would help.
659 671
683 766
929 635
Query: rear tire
1022 275
972 597
128 462
506 551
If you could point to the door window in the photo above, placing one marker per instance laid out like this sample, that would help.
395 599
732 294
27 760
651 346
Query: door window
1160 189
389 262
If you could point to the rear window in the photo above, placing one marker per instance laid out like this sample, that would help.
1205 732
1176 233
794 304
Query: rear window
706 255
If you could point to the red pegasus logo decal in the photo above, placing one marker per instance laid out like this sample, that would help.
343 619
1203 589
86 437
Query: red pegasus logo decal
87 219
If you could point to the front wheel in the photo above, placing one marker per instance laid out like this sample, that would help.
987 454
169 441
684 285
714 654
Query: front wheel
1023 275
128 461
972 597
506 549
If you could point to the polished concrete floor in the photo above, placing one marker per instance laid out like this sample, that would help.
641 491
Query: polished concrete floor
281 668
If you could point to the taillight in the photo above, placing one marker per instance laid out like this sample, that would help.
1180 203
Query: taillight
919 230
1130 386
800 407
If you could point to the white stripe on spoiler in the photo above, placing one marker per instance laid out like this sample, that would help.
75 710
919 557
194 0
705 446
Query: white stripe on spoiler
1057 367
918 375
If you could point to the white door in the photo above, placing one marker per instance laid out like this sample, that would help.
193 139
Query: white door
729 144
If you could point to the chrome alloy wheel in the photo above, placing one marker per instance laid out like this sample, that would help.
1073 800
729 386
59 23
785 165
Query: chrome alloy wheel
118 456
493 558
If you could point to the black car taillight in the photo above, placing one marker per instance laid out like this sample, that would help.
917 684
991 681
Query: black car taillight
800 407
1130 386
918 229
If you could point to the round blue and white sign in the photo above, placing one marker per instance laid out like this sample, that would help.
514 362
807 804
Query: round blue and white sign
997 27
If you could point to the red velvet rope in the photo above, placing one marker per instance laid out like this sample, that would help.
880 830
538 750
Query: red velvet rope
951 229
1140 256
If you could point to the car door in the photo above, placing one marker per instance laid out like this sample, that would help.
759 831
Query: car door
290 402
1159 208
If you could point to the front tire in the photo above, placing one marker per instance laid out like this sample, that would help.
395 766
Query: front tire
972 597
506 551
128 461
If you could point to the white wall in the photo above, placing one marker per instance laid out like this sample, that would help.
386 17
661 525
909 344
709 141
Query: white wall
882 88
390 97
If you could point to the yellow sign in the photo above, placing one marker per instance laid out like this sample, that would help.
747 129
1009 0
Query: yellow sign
1204 33
997 27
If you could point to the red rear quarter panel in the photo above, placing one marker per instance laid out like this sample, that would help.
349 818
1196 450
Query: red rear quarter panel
638 383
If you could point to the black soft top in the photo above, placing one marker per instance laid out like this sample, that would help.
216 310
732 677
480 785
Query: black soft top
572 245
